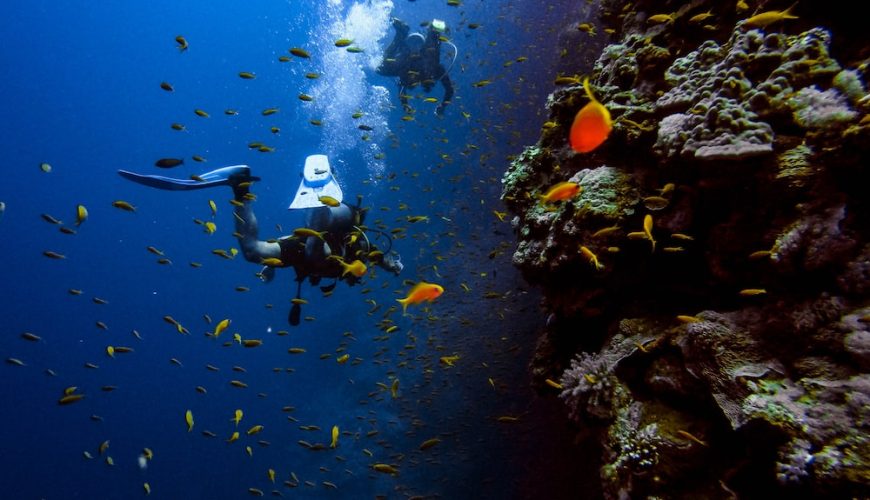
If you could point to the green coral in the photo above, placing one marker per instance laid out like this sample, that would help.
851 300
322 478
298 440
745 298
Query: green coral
607 193
849 83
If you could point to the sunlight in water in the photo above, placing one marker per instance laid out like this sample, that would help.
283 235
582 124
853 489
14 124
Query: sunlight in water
344 89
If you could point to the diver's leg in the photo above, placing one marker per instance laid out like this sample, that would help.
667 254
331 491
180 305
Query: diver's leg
396 51
253 248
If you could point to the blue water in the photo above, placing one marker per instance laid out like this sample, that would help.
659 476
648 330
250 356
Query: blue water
81 93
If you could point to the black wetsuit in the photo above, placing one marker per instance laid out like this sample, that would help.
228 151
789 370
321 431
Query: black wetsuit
309 255
415 68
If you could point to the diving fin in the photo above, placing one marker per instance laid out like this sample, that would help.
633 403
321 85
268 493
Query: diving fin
317 180
226 176
295 315
296 308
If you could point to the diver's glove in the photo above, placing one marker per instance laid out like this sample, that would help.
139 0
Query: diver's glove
393 263
267 274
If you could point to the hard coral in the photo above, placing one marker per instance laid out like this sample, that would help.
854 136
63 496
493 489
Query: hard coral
720 96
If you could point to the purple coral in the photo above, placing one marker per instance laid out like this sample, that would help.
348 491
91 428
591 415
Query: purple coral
814 109
588 388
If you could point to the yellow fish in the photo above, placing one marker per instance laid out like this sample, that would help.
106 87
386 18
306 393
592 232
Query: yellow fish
425 445
304 232
660 18
449 360
647 230
237 417
81 214
684 318
593 259
255 430
701 17
553 384
385 468
772 16
356 268
123 205
188 417
224 323
394 388
334 437
234 437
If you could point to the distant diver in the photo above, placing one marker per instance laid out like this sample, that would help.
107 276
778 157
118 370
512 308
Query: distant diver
333 244
416 60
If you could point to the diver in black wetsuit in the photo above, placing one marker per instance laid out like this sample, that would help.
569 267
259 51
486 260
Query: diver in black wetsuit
342 239
416 60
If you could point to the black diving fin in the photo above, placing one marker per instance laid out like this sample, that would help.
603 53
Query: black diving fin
226 176
296 308
295 315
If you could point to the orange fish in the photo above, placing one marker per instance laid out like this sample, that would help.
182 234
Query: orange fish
562 191
422 291
591 125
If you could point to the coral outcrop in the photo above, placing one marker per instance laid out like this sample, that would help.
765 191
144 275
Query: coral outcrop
718 344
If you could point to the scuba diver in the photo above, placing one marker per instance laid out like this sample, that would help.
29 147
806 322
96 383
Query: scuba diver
334 244
416 60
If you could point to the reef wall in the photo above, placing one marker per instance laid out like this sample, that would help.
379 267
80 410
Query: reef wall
726 352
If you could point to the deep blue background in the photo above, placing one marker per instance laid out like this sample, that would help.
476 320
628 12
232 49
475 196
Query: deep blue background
81 92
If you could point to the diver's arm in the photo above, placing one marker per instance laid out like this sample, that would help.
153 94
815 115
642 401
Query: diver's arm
254 249
403 97
448 93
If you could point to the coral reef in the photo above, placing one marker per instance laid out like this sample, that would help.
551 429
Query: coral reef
725 352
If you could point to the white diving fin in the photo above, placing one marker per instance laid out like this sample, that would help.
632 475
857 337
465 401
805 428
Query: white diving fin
317 181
